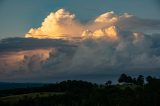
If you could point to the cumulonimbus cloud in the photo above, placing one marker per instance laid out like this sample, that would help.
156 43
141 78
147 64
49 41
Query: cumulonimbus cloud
109 44
63 24
57 25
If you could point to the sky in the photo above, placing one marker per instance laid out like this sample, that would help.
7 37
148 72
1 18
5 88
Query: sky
94 40
18 16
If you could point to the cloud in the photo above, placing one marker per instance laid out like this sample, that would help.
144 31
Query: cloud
131 53
126 22
26 58
20 44
63 24
57 25
110 44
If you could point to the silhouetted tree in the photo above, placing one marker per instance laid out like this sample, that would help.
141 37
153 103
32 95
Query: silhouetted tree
129 79
125 78
149 79
83 93
134 81
140 80
108 83
122 78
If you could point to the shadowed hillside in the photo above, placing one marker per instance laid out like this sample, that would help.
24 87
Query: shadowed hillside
128 92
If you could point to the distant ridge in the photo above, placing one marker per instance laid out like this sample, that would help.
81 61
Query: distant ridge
13 85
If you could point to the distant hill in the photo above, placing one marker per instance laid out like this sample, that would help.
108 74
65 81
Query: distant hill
8 85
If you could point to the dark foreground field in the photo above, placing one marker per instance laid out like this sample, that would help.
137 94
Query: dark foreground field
128 92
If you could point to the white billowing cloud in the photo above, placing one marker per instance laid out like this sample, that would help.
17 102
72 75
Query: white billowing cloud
109 17
64 25
103 21
110 33
57 25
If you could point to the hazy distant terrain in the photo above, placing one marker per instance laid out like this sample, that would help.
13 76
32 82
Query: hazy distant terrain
9 85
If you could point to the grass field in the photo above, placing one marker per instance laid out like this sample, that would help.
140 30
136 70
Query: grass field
16 98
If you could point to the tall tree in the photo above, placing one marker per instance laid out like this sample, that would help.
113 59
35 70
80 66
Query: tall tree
140 80
125 78
108 83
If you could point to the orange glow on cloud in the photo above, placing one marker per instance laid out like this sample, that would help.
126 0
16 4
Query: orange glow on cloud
110 32
60 24
21 59
63 25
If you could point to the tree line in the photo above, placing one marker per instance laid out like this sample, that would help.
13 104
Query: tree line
130 91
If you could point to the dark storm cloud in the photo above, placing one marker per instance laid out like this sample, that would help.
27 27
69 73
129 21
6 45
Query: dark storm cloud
23 58
88 58
18 44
